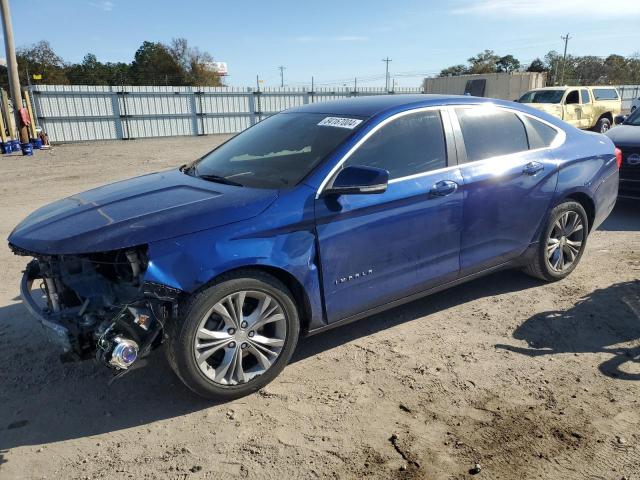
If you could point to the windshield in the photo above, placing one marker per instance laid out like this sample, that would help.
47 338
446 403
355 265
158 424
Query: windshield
277 152
542 96
634 118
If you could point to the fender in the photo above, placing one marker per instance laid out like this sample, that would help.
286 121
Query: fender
288 244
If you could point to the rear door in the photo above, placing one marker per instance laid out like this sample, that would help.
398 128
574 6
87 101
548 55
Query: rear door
509 180
376 248
588 114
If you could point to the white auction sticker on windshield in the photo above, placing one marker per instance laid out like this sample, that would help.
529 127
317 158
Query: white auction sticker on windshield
340 122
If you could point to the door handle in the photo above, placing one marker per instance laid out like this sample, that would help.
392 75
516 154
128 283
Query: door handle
443 188
532 168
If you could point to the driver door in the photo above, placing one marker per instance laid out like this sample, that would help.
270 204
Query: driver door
572 109
377 248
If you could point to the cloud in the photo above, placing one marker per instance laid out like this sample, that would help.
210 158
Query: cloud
575 8
105 5
339 38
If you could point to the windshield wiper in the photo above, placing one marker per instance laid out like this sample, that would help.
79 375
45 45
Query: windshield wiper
219 179
193 171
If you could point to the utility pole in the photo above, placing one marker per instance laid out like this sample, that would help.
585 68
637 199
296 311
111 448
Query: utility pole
386 76
12 70
281 68
564 57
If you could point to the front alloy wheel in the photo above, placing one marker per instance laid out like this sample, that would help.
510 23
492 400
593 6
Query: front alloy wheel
240 337
235 336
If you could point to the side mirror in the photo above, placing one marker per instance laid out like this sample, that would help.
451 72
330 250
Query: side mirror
620 119
358 180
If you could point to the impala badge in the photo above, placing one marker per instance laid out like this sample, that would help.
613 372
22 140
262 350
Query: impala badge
354 276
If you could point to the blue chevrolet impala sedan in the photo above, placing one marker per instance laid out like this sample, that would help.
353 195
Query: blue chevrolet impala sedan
311 219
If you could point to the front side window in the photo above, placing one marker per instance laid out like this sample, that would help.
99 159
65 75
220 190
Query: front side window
489 132
411 144
277 152
605 94
572 98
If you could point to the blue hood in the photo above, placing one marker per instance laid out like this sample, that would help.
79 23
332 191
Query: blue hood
136 211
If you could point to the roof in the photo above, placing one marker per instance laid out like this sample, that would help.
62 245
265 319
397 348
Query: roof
367 106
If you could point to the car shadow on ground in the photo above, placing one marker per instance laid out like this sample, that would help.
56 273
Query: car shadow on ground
605 318
45 401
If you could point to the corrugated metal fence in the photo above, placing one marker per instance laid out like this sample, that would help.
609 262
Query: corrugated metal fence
72 113
628 93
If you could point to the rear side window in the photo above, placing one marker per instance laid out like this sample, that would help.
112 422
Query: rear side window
412 144
585 96
605 94
488 133
540 134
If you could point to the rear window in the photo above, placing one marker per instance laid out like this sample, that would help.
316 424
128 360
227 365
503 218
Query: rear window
605 94
489 133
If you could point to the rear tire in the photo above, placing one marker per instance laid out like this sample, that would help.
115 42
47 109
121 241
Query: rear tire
562 242
603 125
235 336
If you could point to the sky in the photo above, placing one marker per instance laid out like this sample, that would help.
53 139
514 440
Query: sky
334 41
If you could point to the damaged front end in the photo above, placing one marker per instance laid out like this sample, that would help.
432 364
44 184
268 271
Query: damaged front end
97 305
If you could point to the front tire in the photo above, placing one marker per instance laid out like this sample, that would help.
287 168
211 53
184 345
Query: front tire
235 336
562 243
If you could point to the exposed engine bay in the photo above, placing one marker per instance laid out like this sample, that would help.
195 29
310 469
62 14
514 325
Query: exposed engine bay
97 305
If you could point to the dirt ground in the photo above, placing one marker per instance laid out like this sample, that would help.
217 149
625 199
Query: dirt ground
529 380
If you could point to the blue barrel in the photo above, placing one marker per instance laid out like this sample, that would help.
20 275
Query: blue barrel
27 149
6 147
37 143
15 145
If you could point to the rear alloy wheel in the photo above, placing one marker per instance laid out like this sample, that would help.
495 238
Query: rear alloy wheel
562 242
235 336
565 241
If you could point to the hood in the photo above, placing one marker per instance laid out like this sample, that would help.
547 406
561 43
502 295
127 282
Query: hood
627 135
136 211
554 109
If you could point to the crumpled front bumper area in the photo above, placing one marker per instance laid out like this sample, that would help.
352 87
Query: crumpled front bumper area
57 332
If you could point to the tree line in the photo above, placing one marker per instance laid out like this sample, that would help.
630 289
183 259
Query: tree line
578 70
154 63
